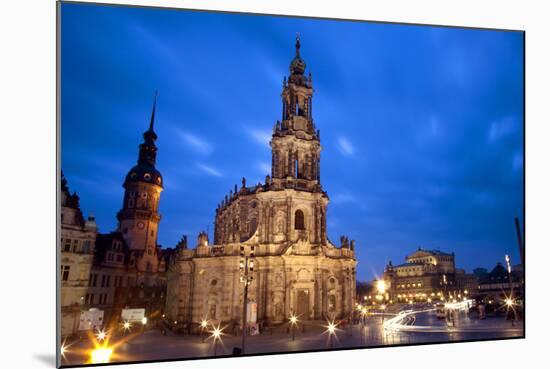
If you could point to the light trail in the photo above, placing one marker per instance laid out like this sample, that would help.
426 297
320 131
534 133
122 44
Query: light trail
404 321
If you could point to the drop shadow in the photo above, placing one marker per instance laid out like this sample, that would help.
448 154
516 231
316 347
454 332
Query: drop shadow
48 359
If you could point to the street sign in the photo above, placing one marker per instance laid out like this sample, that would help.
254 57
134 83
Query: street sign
132 315
90 319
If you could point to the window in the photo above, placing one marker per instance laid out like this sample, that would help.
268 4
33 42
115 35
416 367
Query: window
108 281
86 246
75 245
87 299
103 281
90 280
299 220
92 299
331 303
119 258
67 246
65 272
95 280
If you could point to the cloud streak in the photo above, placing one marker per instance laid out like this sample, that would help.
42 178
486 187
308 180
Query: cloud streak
345 146
196 144
209 170
261 137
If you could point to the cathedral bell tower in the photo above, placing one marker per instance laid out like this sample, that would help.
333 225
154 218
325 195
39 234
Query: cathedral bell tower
295 143
139 217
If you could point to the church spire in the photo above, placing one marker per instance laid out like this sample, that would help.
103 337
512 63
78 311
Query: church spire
148 149
297 66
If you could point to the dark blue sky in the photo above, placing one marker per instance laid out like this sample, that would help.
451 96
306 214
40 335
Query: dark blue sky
421 127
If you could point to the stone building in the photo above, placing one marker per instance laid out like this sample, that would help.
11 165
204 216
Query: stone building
282 221
427 274
77 241
124 268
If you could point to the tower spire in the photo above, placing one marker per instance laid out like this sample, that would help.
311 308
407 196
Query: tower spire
152 123
297 44
148 149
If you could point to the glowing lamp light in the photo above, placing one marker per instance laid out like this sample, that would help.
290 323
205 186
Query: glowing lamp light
293 319
331 328
144 320
381 286
216 333
509 302
101 335
204 323
126 326
101 355
64 349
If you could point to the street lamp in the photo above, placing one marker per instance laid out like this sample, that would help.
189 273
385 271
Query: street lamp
204 325
101 355
216 334
246 267
331 330
293 323
511 298
101 335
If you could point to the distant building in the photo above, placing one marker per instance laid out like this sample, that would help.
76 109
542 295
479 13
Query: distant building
496 285
77 243
427 275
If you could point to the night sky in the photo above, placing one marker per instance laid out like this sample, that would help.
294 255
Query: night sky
421 127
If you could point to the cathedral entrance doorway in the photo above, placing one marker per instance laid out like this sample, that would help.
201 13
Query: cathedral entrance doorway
302 304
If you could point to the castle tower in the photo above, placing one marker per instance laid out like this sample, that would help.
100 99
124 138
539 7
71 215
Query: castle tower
295 143
139 217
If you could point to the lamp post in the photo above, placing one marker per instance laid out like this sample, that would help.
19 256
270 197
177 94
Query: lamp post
204 325
293 323
510 300
246 267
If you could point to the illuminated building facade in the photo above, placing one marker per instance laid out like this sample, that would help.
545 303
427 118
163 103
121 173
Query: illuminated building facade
77 243
427 275
282 221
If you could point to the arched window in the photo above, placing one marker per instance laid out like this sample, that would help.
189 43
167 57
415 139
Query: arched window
299 222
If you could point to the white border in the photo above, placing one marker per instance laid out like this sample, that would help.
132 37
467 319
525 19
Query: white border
27 114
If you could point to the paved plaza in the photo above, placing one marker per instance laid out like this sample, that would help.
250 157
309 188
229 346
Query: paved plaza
424 328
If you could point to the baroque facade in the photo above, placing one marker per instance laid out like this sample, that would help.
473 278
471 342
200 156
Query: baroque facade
427 274
282 221
77 239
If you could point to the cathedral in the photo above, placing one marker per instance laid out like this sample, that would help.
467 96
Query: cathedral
279 224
